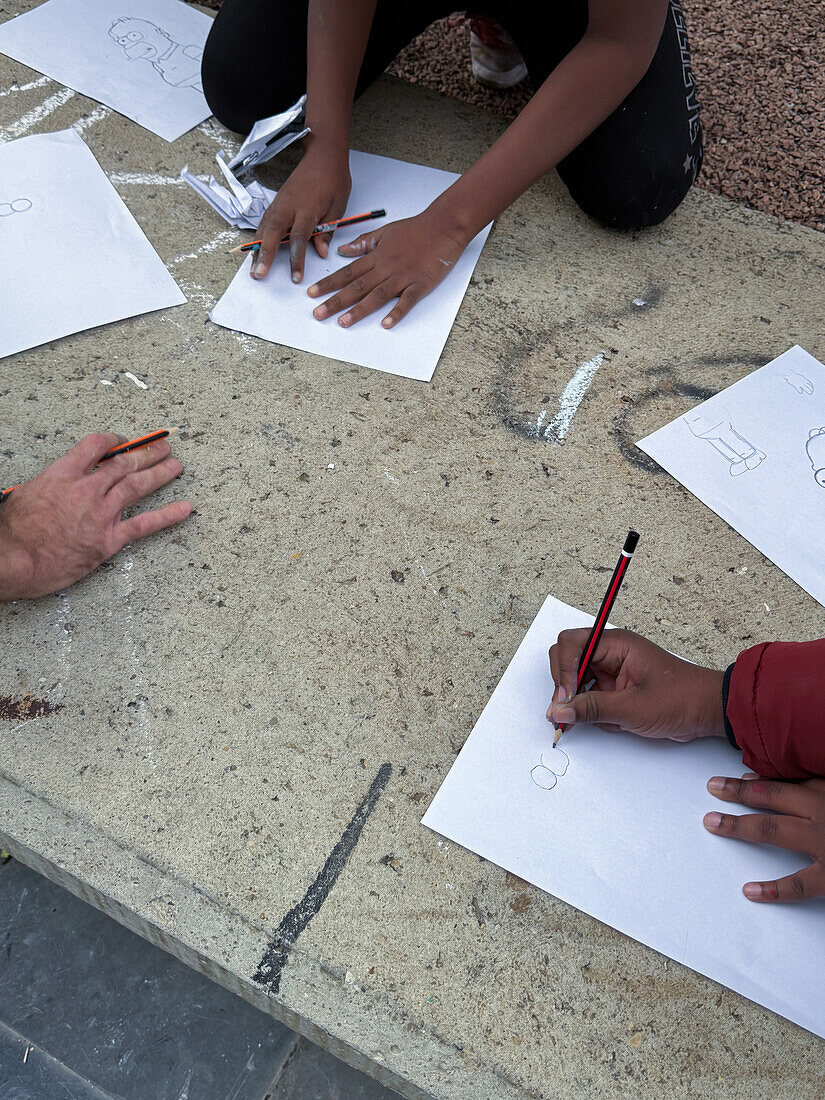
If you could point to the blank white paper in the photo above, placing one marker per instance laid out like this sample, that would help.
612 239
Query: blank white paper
140 57
755 454
613 825
277 310
71 255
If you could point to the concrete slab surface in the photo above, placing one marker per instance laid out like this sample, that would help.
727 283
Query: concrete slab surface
256 708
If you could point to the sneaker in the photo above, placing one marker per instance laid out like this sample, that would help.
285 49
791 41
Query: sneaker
496 60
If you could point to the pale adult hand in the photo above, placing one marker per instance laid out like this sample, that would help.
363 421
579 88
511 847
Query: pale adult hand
794 819
315 193
404 260
639 688
62 524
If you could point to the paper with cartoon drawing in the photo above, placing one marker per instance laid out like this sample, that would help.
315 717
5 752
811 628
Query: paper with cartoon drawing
755 454
139 57
619 835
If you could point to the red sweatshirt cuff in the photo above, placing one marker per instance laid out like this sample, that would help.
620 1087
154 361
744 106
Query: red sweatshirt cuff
776 708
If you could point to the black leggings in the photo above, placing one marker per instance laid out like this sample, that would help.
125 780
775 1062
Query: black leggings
632 171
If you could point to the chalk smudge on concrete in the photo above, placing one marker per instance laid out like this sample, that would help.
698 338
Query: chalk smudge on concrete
41 82
36 114
140 702
222 238
97 115
271 966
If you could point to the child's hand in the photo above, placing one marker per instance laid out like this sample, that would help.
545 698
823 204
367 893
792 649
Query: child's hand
639 688
315 193
404 260
795 820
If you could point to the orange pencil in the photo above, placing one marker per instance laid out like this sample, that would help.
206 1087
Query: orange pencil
327 227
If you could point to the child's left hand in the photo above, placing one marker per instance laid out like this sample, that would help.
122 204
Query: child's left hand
796 821
405 260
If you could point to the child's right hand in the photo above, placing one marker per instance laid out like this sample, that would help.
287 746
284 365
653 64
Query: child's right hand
639 688
316 192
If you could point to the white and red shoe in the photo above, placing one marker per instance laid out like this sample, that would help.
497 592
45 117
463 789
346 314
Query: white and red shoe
497 62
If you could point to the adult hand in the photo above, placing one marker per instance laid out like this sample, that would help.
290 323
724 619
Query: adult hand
316 192
795 819
61 525
404 260
639 688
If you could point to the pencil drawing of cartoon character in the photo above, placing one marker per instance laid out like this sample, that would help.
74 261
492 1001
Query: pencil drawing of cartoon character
553 764
816 453
141 40
717 430
16 206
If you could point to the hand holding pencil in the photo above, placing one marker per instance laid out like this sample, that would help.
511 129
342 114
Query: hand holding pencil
640 688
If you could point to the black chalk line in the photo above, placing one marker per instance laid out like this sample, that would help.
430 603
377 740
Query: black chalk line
270 968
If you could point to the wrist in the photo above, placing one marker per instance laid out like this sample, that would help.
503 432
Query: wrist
16 568
450 219
329 143
709 719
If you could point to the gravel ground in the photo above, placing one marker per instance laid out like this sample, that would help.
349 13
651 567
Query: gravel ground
760 69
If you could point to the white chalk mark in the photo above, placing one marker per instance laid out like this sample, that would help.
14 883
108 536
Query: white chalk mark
41 82
36 114
639 302
97 115
64 653
572 397
106 382
215 132
224 237
539 425
149 179
196 293
144 715
134 378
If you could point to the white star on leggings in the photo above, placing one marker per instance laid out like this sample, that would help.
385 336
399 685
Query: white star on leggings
688 162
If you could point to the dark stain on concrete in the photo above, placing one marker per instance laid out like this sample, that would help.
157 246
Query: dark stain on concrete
21 710
669 382
271 966
522 344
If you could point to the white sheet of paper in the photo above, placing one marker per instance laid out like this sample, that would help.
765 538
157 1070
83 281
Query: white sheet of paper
277 310
619 835
755 454
140 57
71 255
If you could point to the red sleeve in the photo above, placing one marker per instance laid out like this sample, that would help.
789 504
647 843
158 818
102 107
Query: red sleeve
776 708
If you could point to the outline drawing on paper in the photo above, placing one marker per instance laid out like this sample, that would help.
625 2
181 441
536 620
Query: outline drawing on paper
546 777
733 447
815 448
180 66
16 206
799 382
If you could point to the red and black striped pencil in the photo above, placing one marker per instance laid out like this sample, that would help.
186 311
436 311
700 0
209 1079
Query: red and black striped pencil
600 621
